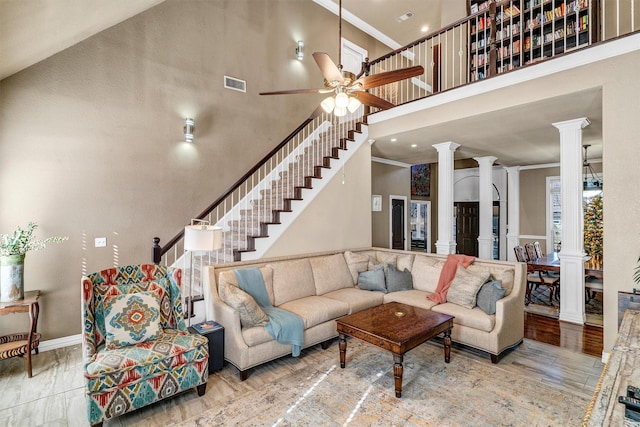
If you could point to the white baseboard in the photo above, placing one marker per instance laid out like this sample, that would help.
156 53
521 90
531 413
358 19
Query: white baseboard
60 342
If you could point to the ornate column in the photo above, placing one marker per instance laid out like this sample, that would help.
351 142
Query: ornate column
445 244
572 254
513 208
485 236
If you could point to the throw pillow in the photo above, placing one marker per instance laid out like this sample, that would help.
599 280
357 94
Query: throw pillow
398 280
386 258
465 286
131 319
356 263
250 312
372 280
488 294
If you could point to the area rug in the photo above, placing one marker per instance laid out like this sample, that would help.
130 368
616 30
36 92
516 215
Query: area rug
465 392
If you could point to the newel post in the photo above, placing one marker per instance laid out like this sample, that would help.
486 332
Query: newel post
156 251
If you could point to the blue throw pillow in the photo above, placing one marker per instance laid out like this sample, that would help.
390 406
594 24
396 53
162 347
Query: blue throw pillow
372 280
488 294
398 280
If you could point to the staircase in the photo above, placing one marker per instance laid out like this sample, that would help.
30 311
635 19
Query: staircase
257 210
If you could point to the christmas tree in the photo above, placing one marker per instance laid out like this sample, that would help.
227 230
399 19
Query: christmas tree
593 227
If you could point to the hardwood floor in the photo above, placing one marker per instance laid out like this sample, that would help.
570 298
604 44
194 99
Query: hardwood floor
580 339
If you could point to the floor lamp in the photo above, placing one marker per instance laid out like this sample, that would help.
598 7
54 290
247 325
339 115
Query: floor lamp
200 236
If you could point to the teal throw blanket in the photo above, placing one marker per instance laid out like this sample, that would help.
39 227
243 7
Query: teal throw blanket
284 326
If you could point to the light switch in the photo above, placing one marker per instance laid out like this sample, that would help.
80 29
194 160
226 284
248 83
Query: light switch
101 242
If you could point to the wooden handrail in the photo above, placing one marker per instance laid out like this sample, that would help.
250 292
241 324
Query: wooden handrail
158 251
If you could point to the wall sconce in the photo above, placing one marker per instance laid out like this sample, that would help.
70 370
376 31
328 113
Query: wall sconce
189 128
299 52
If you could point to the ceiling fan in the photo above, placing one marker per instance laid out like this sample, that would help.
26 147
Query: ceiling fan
348 91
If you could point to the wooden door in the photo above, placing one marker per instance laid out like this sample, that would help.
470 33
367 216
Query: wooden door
467 227
397 224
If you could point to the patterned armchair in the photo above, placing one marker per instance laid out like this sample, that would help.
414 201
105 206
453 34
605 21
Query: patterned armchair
135 345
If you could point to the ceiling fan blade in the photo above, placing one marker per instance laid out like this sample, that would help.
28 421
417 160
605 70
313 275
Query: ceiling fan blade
329 70
372 100
290 92
389 77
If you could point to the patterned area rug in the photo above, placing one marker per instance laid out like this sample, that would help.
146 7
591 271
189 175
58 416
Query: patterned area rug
465 392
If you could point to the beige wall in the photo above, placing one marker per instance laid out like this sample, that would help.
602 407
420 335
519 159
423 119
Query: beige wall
342 211
388 180
90 138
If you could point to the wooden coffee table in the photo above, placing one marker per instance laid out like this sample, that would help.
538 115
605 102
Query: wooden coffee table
397 328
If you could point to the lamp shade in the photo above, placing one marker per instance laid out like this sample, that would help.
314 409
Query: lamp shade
202 238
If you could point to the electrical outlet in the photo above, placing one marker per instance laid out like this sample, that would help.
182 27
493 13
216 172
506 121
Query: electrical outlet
101 242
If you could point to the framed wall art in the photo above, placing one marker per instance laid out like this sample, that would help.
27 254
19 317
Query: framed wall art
420 180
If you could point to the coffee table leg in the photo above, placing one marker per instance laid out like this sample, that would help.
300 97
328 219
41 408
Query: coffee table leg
447 345
397 373
342 343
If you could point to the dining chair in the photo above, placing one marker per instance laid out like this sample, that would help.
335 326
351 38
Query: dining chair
535 278
538 249
530 251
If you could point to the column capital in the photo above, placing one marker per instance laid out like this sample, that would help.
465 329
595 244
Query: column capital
512 169
451 146
580 123
485 159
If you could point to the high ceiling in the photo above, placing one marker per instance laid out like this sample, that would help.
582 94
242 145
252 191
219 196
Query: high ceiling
33 30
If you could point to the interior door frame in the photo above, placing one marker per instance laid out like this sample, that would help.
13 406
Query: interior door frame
427 211
393 197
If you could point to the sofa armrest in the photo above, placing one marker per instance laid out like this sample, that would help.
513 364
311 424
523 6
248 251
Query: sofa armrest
510 312
218 311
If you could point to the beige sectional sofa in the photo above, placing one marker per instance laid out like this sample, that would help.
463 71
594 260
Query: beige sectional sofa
322 287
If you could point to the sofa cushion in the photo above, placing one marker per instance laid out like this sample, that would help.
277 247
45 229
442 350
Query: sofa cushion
330 273
386 258
171 350
413 297
488 294
356 262
474 318
372 280
292 280
503 273
398 280
256 335
426 273
315 310
250 312
131 319
357 299
405 262
230 277
465 287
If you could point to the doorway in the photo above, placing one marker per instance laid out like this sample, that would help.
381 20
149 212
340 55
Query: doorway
397 222
467 228
420 220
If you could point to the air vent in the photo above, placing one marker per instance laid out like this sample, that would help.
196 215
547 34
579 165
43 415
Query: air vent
235 84
404 17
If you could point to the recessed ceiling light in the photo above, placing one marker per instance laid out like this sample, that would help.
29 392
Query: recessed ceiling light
424 28
394 139
414 145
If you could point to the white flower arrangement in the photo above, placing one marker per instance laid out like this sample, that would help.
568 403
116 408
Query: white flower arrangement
22 241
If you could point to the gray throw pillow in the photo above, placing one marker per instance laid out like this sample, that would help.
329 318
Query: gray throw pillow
398 280
372 280
488 294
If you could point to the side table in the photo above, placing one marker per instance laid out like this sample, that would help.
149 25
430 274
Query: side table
22 343
215 334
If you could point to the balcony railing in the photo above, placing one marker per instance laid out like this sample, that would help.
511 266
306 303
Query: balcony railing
505 36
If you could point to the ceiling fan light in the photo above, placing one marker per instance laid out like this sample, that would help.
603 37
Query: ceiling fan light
328 104
342 100
353 105
340 111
